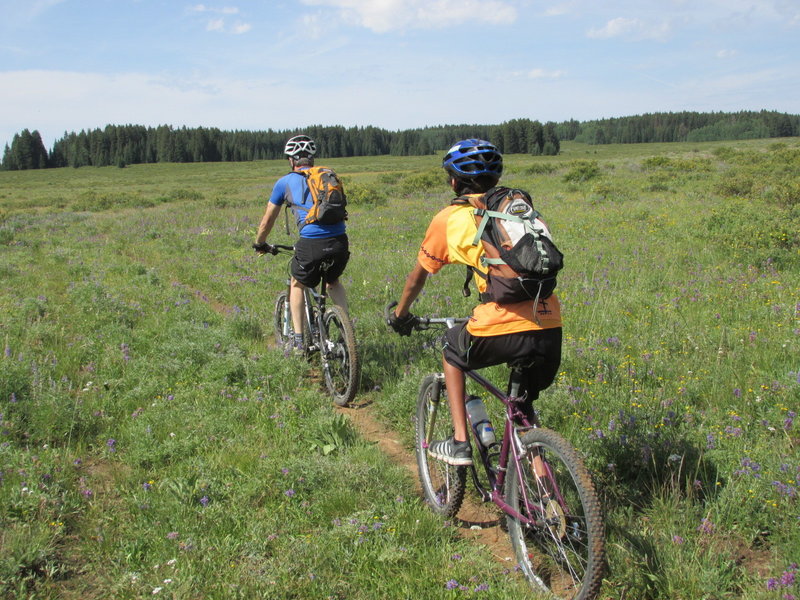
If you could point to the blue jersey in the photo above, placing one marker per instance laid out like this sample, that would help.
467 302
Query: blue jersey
293 188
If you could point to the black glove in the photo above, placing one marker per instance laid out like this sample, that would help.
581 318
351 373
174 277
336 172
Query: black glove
263 248
402 325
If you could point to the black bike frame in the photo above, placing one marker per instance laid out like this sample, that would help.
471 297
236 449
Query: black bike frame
310 295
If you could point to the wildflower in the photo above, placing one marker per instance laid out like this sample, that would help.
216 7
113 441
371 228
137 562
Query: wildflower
204 500
706 526
456 557
484 587
172 535
772 584
112 445
147 486
289 493
156 590
676 539
451 585
787 578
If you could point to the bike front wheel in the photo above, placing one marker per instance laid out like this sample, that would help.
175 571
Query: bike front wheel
282 319
561 547
443 485
340 362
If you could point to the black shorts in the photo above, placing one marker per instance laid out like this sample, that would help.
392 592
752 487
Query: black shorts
542 347
312 255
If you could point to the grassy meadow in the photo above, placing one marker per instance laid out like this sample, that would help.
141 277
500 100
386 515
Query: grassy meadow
153 442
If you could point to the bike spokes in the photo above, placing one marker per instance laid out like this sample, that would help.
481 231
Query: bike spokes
340 364
559 544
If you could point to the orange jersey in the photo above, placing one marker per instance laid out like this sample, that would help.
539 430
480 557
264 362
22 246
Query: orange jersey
449 241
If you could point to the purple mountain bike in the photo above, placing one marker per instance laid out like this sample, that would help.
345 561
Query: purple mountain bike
533 474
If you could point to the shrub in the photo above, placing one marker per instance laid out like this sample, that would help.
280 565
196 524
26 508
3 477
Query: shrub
582 170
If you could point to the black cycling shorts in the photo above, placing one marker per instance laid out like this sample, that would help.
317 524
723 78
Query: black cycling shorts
312 255
542 347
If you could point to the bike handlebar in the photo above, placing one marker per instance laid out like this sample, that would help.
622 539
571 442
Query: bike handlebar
273 249
424 323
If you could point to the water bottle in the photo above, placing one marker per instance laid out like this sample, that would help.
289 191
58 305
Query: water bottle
480 421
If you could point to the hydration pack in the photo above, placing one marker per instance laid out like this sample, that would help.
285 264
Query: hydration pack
327 195
520 257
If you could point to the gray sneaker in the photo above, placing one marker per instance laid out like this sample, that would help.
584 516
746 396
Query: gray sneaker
452 452
297 348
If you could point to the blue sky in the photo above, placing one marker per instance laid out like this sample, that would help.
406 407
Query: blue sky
67 65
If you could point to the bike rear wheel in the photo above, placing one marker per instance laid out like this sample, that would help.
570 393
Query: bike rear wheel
563 553
443 485
340 363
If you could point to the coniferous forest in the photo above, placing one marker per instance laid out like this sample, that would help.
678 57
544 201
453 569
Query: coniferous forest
121 145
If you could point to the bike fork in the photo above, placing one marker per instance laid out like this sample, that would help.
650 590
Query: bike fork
433 407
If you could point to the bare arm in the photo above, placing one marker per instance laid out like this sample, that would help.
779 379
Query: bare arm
414 284
270 216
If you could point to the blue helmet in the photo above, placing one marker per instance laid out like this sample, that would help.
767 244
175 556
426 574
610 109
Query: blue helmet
473 158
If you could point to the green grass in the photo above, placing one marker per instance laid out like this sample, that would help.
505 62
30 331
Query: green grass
150 438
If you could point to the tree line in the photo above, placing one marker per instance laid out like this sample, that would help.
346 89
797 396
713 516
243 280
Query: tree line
122 145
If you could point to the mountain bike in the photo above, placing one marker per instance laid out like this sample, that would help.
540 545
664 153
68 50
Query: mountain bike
533 474
327 330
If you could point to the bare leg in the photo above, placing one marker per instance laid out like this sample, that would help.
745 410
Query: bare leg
296 301
337 293
454 380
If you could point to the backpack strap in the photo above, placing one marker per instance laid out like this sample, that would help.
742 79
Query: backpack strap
293 203
466 292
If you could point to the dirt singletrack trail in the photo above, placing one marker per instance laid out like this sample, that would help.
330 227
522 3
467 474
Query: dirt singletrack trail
476 520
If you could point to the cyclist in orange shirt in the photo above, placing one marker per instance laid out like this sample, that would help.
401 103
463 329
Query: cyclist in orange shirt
495 333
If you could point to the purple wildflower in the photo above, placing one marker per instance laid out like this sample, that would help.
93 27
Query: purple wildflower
204 500
289 493
451 585
706 526
172 535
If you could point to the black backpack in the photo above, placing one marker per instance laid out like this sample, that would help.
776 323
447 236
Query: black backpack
521 259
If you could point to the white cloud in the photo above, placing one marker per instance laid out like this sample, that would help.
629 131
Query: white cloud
635 29
219 23
544 74
215 25
225 10
725 53
382 16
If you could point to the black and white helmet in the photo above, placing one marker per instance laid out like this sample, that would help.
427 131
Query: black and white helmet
300 146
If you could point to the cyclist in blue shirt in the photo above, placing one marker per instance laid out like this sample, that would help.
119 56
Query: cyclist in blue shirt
318 243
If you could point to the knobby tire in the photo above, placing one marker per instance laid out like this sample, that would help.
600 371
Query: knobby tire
340 362
563 554
282 340
443 485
